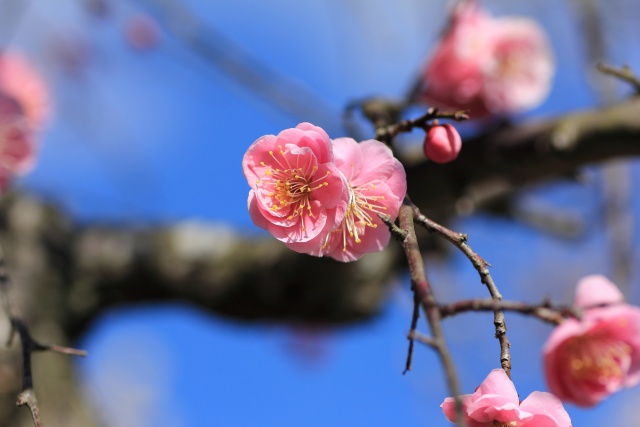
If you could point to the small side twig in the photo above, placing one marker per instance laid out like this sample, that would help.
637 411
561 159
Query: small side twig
417 336
623 73
387 133
460 241
543 311
412 332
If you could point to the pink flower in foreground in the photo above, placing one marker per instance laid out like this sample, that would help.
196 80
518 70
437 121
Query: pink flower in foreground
297 193
17 149
23 92
442 143
495 403
489 65
586 360
376 184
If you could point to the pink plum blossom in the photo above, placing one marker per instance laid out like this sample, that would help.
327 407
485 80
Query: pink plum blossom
17 149
376 184
489 65
24 106
588 359
442 143
23 92
297 192
495 403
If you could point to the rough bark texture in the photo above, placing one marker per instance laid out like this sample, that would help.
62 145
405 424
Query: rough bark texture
65 275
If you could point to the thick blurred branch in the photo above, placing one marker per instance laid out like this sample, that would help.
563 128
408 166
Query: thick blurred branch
258 279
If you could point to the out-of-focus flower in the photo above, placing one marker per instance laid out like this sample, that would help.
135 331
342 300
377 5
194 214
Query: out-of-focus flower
23 92
442 143
17 149
142 32
24 107
588 359
489 65
495 403
376 184
297 192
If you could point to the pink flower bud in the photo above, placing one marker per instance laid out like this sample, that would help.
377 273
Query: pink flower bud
442 143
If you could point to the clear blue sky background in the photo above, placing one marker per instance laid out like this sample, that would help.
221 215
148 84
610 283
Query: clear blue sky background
158 136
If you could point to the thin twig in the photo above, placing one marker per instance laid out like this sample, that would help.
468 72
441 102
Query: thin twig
460 241
422 289
417 336
543 311
28 398
412 332
624 73
387 133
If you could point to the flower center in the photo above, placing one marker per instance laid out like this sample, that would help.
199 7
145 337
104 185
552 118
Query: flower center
593 358
361 213
290 186
503 424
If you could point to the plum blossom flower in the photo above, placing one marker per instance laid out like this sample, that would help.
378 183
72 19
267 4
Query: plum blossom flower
297 192
586 360
495 403
376 184
23 91
442 143
489 65
24 106
17 149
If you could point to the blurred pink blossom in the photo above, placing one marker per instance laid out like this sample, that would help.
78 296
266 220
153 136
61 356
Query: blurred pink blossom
442 143
297 192
24 107
586 360
142 32
495 403
489 65
23 91
376 184
17 149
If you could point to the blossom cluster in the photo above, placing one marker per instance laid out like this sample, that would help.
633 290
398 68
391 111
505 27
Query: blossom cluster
323 197
488 65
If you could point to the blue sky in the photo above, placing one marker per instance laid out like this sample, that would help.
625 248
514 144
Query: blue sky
158 136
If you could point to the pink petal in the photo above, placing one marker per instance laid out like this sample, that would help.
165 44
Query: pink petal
255 213
348 155
336 189
496 395
596 290
256 153
547 410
